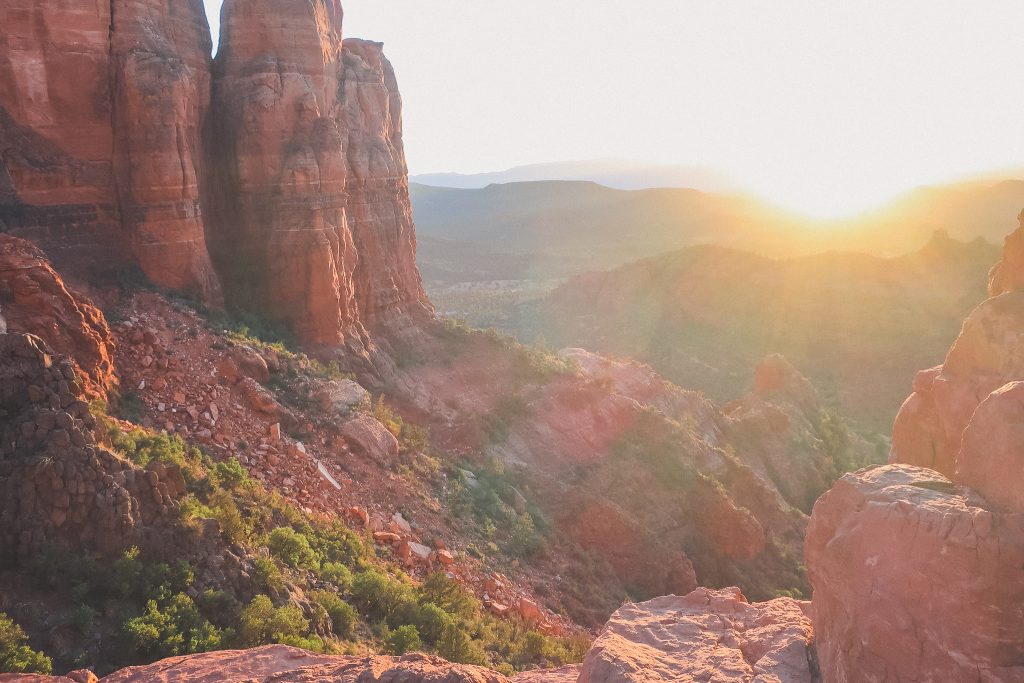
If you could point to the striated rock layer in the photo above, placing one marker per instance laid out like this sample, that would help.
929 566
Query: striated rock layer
915 580
310 190
101 106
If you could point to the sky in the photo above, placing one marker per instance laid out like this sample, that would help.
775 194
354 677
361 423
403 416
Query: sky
823 106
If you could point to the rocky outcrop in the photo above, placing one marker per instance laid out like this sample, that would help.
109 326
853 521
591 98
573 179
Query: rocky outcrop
706 635
915 578
313 221
106 131
35 300
929 429
102 105
55 482
280 663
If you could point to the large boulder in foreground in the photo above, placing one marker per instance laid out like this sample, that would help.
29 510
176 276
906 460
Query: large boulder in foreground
706 635
915 580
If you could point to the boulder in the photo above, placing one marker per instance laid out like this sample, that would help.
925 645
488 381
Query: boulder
991 458
341 397
243 361
915 580
708 635
368 436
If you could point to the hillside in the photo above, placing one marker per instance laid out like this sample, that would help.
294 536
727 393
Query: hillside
858 325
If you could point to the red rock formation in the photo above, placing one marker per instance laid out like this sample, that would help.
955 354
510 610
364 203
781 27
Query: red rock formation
707 635
991 458
915 580
161 87
99 134
313 217
291 665
34 300
929 428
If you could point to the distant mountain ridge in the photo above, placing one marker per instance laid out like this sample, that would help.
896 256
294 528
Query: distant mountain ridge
613 173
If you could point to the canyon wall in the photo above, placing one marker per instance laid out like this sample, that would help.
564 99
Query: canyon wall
101 108
313 221
124 146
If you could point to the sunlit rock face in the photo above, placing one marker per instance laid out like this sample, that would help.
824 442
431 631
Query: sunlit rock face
100 120
929 429
916 567
915 578
313 222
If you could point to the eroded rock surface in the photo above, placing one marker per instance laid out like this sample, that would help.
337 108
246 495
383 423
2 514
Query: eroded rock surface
35 300
915 579
706 635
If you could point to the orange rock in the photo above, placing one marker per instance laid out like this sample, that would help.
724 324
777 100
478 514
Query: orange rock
386 537
706 635
38 302
445 558
913 580
530 611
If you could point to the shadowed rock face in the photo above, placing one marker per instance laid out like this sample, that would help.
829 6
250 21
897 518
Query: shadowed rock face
100 118
915 580
313 221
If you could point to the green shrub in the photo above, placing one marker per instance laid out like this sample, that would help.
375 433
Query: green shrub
267 574
455 645
449 595
337 543
343 615
15 654
381 597
431 622
230 474
292 548
261 623
403 639
176 629
336 573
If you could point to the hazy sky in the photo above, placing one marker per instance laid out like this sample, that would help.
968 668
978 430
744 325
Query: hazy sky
821 105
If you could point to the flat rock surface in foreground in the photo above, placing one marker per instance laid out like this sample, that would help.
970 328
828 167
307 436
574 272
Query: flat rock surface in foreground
706 635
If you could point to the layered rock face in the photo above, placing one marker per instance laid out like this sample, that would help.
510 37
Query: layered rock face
915 579
104 109
35 300
100 134
313 220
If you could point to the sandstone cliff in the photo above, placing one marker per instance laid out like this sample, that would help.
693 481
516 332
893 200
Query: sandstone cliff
112 157
101 107
313 222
